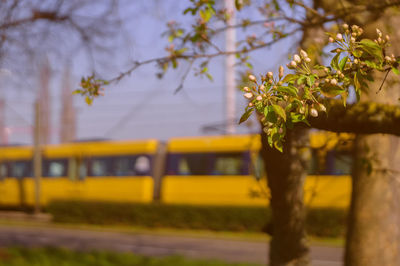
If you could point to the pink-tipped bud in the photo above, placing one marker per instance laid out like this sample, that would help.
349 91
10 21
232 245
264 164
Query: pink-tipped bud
379 32
339 37
297 58
262 87
307 59
293 64
303 53
281 71
352 40
259 98
345 26
270 75
248 95
280 131
252 78
246 89
313 112
331 39
251 104
334 82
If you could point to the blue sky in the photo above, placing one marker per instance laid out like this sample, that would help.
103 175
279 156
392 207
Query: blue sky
140 106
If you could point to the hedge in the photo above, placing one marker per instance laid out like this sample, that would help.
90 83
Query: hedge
320 222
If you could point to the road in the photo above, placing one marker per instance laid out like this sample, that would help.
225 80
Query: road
154 245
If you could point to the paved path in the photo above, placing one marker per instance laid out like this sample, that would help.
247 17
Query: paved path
154 245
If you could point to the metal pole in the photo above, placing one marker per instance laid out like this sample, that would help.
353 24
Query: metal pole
37 156
230 40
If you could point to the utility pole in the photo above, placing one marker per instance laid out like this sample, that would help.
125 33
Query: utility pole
230 40
44 100
37 155
3 132
68 116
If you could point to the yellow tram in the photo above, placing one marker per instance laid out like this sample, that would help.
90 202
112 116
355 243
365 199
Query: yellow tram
219 170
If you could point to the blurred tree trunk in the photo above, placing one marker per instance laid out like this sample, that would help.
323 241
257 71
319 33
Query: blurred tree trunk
286 173
373 236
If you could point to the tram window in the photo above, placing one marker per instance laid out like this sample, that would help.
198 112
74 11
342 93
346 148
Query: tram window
100 167
228 164
208 164
314 163
3 171
21 169
55 168
339 163
142 166
123 166
82 169
194 164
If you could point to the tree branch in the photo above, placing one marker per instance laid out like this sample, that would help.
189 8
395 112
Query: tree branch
360 118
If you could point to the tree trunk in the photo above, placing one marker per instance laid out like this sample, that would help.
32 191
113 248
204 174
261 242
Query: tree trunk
373 232
373 229
286 173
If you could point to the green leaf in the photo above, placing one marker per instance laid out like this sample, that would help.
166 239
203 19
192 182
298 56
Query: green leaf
88 100
335 61
291 90
357 85
371 48
395 70
279 111
342 62
246 115
290 77
278 145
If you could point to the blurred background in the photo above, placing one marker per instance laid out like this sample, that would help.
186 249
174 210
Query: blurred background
157 170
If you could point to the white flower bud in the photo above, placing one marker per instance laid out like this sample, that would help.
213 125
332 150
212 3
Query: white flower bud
322 107
293 64
246 89
333 81
302 110
281 72
251 104
345 26
380 40
262 87
354 28
313 112
307 59
356 61
387 38
259 98
252 78
280 131
339 37
270 75
248 95
303 53
331 39
297 58
379 32
388 58
352 40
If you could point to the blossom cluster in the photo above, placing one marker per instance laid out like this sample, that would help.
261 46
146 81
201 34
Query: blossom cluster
295 97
